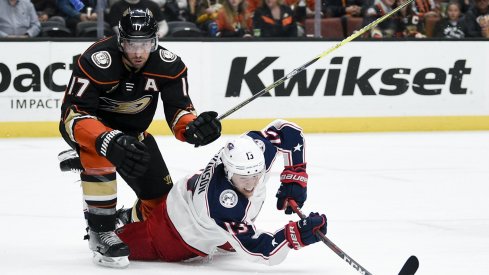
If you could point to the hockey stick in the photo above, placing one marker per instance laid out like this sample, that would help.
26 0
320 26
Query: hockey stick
303 67
409 268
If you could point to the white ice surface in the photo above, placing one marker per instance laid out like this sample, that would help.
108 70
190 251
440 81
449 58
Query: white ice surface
387 196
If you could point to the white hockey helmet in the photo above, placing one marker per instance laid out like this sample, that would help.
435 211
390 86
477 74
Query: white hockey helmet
242 156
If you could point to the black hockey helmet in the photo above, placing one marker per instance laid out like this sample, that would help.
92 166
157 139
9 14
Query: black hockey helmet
138 25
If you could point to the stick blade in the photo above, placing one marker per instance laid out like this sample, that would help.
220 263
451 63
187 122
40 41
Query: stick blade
410 267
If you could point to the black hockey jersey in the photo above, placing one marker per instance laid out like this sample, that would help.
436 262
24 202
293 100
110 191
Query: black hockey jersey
102 87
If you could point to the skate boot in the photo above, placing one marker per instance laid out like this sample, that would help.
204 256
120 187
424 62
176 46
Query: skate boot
108 249
70 161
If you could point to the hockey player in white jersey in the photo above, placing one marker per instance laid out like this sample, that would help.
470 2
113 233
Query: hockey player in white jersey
217 207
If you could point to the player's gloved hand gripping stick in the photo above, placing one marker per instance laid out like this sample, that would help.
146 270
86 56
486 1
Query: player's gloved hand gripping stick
203 130
409 268
293 186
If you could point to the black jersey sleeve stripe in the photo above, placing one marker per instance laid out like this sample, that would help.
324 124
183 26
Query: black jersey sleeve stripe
85 71
167 76
93 79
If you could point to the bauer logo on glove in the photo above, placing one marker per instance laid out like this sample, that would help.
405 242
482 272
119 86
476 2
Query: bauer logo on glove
294 186
303 232
293 178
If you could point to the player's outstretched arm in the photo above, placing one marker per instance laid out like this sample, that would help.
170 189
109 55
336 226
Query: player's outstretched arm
287 137
302 233
272 249
256 246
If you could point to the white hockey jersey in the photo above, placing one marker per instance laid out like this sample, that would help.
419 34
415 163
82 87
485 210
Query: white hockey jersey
208 212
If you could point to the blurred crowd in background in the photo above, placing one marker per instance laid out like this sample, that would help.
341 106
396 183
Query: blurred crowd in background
454 19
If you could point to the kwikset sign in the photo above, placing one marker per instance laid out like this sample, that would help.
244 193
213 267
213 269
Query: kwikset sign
360 79
394 81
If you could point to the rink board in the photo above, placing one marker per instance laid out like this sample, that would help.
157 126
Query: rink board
362 86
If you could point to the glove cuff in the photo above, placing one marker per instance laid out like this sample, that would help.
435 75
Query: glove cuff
293 236
294 175
297 167
104 140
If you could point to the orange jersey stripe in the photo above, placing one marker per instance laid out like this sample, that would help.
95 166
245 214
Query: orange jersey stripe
87 130
179 128
167 76
87 74
96 81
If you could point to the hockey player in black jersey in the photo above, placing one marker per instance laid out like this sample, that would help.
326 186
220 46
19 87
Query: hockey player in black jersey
110 102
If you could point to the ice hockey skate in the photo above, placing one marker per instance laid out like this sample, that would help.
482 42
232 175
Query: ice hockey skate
70 161
108 249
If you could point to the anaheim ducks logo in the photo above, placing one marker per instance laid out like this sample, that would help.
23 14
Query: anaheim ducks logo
102 59
167 56
125 107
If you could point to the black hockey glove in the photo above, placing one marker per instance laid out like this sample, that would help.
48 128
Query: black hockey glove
203 130
293 186
126 153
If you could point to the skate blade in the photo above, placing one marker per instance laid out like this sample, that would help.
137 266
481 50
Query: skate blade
112 262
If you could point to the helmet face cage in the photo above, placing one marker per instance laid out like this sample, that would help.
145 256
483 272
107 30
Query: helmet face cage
137 28
242 156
